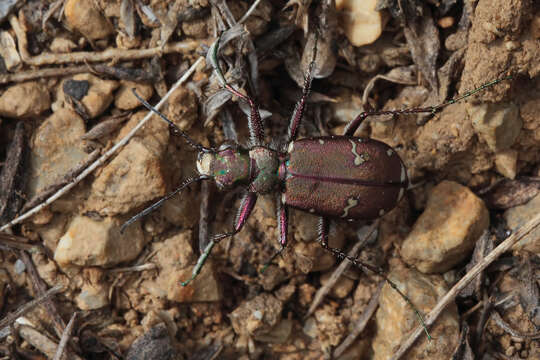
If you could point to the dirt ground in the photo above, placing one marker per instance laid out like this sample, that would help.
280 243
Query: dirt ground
67 71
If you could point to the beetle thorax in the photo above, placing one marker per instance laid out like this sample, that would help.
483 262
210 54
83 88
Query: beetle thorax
265 163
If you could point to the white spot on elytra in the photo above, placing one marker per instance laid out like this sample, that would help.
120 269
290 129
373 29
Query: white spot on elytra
403 176
358 160
381 212
321 142
351 202
401 193
283 198
312 210
389 152
291 147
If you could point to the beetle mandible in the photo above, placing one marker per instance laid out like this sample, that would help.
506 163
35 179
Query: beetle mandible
335 177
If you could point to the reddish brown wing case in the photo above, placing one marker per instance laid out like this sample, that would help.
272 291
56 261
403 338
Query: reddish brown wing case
344 177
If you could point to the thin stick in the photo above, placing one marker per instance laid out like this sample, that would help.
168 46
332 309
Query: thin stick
460 285
142 267
184 47
105 156
11 317
504 325
41 342
345 264
249 12
65 337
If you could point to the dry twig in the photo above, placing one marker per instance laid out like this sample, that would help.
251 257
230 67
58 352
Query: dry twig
65 337
507 328
10 318
41 342
105 156
471 275
184 47
40 288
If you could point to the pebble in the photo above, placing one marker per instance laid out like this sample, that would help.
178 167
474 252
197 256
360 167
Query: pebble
82 16
360 21
154 344
19 267
6 7
134 177
89 242
257 316
447 230
61 45
395 318
56 149
497 124
99 95
330 327
8 51
125 99
506 163
92 296
183 108
518 216
176 259
32 99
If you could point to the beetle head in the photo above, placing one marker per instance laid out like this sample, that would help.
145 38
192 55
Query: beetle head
228 165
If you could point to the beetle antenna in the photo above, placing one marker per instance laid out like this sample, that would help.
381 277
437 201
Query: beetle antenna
160 202
469 93
186 137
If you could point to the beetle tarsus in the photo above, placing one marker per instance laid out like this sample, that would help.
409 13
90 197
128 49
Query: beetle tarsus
267 264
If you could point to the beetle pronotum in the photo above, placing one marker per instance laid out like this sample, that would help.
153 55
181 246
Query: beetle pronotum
342 177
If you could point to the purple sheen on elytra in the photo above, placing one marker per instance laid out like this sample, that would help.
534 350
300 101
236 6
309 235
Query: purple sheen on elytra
344 177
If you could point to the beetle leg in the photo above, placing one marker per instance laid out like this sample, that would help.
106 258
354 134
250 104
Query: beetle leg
245 209
255 124
256 129
283 222
324 226
283 226
300 106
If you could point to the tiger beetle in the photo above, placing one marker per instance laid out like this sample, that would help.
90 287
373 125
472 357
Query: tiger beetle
334 177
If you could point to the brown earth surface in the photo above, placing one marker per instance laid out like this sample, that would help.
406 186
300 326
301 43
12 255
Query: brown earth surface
67 70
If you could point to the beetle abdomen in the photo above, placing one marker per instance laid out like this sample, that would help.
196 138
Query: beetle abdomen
344 177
